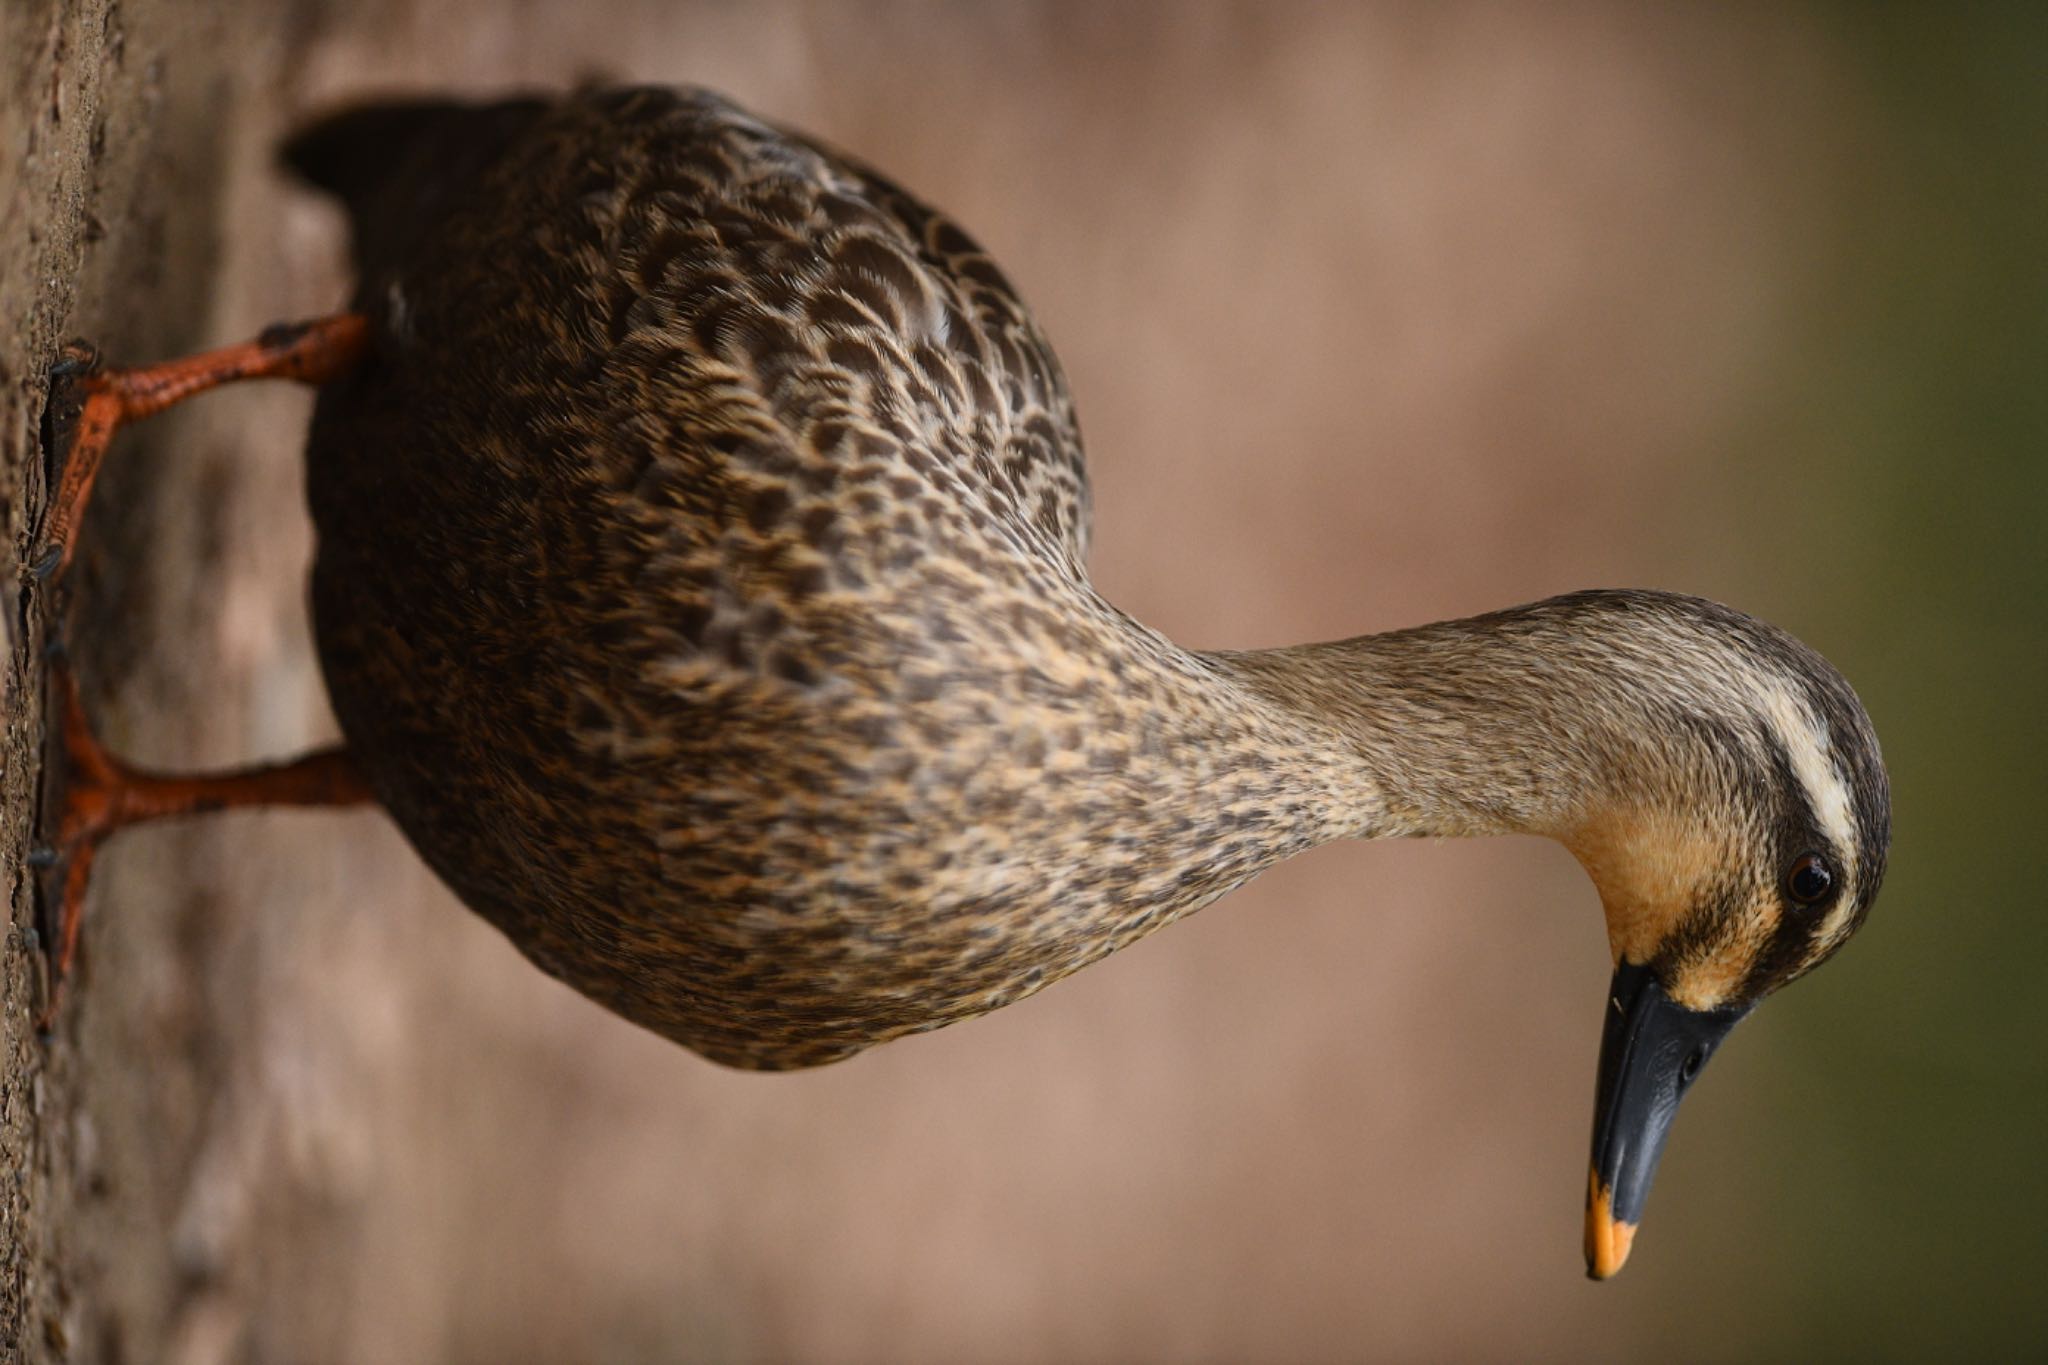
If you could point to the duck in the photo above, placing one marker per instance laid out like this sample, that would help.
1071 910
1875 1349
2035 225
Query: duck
702 528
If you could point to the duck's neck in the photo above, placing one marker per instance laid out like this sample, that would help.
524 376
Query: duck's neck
1459 728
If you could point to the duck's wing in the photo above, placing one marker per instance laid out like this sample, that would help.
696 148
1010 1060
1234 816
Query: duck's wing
679 240
990 340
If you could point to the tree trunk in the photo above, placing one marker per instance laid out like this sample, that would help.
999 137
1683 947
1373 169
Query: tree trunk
131 132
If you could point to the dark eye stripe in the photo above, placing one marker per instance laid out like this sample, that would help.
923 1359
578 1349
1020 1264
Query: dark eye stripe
1796 941
1870 801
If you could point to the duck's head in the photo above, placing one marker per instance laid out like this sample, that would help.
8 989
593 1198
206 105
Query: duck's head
1742 846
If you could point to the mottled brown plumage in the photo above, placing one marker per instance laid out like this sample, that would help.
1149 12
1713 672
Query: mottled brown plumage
700 585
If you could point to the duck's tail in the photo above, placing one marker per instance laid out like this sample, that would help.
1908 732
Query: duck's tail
397 165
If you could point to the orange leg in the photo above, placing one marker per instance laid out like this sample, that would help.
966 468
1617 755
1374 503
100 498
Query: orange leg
88 404
99 794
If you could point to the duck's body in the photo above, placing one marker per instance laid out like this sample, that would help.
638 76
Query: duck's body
701 587
700 584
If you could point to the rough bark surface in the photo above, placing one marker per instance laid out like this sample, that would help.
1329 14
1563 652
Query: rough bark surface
119 124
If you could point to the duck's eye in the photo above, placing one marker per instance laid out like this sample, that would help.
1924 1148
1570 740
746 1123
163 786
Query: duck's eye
1809 879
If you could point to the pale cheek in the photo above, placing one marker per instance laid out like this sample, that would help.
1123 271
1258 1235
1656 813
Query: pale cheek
1633 931
1711 982
1650 870
1707 986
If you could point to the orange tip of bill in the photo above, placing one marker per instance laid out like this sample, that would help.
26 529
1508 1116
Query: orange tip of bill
1607 1241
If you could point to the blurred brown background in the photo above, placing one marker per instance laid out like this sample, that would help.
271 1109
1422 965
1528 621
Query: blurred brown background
1374 316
